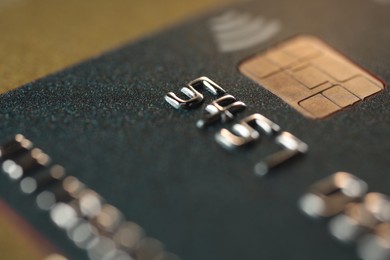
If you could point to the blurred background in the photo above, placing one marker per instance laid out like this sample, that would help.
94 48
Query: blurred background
39 37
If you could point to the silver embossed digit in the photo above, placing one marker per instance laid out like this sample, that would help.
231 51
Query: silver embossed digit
246 132
328 197
223 109
192 91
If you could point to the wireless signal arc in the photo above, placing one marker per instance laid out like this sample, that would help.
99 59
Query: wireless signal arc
235 31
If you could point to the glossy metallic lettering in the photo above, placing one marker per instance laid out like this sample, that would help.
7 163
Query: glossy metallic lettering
192 91
356 217
359 219
92 224
221 110
247 131
328 197
291 147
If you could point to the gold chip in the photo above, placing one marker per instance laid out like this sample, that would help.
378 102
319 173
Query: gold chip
311 76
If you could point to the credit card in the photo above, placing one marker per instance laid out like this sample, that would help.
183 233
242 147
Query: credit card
220 138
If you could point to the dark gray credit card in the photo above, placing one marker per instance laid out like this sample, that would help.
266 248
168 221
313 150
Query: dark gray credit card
205 140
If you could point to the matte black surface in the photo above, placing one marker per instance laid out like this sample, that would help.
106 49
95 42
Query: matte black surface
107 123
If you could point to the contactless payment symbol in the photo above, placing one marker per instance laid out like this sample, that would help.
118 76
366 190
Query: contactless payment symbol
311 76
234 30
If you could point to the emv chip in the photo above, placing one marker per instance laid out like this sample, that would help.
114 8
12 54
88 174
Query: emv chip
311 76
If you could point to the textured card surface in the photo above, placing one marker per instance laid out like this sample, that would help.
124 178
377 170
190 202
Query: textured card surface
107 123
